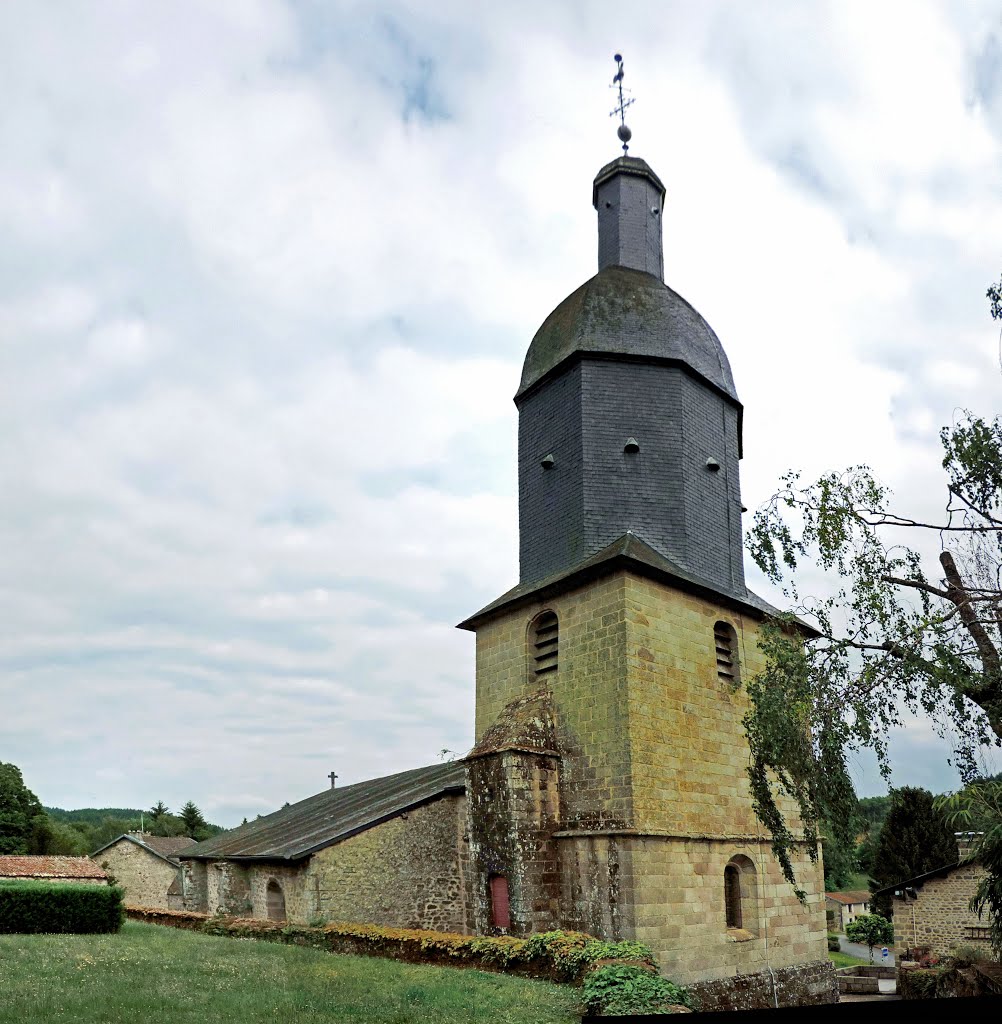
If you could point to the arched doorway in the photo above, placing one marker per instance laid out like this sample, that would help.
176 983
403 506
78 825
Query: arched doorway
276 901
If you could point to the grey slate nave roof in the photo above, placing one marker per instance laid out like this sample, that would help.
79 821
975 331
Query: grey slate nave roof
303 828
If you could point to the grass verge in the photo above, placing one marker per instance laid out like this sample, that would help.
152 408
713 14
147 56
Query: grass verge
148 972
844 960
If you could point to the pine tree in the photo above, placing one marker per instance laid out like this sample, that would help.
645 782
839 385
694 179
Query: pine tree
158 809
195 825
915 838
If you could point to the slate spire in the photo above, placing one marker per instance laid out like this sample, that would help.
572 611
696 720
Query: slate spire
629 198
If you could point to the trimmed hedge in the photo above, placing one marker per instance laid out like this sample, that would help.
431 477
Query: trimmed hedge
554 956
40 907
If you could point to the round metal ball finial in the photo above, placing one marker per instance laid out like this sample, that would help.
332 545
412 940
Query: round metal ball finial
624 133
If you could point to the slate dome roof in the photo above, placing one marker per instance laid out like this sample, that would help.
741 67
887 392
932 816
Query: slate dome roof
630 313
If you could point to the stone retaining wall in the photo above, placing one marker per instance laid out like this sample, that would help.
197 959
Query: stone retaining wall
808 984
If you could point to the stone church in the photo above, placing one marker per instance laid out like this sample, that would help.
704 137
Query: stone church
607 789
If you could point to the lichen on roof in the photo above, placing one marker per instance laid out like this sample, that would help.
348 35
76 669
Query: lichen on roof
526 724
302 828
631 314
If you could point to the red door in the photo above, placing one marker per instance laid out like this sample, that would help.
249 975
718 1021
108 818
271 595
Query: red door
500 912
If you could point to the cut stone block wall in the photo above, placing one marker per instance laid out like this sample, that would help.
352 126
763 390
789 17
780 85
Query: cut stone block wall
655 800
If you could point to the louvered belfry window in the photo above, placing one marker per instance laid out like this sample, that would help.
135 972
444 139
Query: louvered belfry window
726 642
544 640
500 907
732 896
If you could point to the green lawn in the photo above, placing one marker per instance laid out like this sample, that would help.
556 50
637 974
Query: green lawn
149 973
844 960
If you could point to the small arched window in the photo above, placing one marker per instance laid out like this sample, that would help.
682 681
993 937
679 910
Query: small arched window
275 900
500 905
544 641
726 642
741 907
732 896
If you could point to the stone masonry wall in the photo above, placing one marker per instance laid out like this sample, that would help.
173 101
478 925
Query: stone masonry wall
195 885
938 917
407 872
689 751
143 875
655 798
809 984
514 811
588 692
300 901
678 899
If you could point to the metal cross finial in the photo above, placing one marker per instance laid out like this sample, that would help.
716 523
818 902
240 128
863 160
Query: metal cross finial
622 131
332 777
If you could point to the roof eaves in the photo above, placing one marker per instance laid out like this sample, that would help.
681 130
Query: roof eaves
918 881
453 790
625 553
138 842
308 851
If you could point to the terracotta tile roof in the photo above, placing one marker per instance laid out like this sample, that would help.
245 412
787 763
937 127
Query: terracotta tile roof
854 896
49 867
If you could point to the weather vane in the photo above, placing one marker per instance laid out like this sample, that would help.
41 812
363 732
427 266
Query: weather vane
622 131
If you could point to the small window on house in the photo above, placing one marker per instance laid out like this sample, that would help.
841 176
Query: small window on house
500 907
275 900
732 896
726 642
543 644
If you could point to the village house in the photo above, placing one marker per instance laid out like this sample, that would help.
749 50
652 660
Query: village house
845 907
52 869
607 790
931 911
146 867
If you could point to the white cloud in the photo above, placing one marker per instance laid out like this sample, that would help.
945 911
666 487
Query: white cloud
270 273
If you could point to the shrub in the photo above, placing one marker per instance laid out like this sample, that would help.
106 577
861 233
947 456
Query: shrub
555 956
36 907
833 943
968 956
626 988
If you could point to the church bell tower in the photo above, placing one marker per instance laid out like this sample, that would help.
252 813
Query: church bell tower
607 788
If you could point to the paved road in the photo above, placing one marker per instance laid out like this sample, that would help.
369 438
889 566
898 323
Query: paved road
855 949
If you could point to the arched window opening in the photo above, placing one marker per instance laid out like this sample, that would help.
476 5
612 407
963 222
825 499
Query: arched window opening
500 906
545 638
741 906
276 901
726 642
732 896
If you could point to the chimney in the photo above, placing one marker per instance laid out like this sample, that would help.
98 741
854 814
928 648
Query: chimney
966 842
629 198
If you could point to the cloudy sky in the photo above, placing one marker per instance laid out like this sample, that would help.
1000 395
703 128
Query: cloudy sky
268 271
